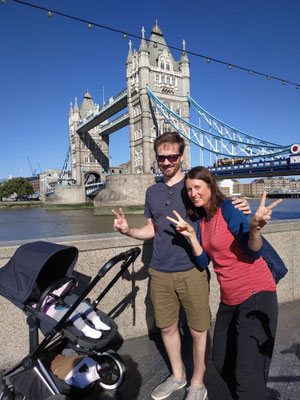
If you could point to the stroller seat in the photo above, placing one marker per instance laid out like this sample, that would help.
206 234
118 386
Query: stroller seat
69 330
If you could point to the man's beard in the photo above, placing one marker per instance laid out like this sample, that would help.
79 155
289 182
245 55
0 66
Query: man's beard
171 171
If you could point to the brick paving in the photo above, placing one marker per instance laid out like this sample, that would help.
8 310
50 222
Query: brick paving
147 366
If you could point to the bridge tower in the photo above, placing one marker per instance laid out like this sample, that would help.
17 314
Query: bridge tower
154 65
89 150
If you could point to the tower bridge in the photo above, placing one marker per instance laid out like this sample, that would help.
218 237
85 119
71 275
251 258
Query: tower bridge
157 98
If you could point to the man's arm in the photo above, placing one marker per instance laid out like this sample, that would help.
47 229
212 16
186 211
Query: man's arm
242 205
121 225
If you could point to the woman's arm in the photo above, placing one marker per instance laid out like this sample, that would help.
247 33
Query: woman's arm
261 217
187 230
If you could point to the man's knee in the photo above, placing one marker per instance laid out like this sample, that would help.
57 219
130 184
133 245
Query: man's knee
199 336
170 330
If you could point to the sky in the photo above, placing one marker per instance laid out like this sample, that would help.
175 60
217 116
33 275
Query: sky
47 62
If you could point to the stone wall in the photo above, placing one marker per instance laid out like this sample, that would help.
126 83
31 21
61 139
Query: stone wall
123 190
67 195
128 300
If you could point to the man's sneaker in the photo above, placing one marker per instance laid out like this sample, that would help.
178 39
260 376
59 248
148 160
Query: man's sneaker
164 389
196 393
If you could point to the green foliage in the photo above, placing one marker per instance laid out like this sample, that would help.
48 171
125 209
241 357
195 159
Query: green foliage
19 186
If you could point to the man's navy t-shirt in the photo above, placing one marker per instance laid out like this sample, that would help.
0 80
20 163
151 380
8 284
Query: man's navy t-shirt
171 250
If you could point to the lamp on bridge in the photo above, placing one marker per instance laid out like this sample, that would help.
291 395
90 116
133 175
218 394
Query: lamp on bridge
50 14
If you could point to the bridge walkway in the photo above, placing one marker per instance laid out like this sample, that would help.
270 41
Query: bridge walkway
146 365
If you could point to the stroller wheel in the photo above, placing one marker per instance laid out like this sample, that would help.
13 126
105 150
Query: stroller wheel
10 393
112 370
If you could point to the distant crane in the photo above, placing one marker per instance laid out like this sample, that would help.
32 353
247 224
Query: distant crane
32 171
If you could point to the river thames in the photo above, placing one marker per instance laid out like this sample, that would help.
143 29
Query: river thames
34 223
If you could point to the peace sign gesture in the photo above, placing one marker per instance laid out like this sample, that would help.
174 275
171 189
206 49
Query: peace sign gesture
120 222
263 214
181 225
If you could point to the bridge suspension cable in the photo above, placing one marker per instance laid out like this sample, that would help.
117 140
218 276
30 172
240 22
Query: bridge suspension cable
63 176
221 139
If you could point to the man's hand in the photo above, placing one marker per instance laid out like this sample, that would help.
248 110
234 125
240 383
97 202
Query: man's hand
263 214
120 222
241 205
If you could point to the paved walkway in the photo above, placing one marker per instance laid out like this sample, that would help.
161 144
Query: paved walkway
147 366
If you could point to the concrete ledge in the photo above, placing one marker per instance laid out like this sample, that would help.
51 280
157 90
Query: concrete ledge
105 209
128 301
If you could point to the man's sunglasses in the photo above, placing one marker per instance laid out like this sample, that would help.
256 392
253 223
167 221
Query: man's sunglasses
171 157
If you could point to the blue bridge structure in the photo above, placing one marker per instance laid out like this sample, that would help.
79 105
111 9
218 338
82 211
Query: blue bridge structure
236 154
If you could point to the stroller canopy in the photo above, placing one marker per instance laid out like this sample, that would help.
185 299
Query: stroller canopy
41 262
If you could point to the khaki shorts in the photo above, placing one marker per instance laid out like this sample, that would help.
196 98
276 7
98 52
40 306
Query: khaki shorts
189 288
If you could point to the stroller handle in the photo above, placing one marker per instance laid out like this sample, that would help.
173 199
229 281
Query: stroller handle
128 257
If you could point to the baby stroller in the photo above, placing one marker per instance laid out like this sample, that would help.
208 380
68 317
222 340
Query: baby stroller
51 266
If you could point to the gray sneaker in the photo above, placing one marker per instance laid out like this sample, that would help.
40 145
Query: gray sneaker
196 393
164 389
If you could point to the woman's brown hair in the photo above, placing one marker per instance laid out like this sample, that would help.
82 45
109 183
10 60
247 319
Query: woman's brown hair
216 199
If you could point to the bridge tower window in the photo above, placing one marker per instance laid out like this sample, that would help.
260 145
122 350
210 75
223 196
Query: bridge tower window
162 65
168 67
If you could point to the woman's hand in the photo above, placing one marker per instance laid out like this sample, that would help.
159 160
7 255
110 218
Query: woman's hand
263 214
182 226
187 230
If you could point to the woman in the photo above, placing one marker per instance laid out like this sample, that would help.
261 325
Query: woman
247 316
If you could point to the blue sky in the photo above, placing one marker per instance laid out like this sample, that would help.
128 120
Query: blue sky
46 62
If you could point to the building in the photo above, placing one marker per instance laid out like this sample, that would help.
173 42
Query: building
123 168
258 186
35 182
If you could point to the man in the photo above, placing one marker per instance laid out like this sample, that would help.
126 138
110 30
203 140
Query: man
174 278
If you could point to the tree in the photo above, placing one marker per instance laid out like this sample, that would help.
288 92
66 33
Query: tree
19 186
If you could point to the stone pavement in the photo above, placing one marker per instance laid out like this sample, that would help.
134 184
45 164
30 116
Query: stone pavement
146 365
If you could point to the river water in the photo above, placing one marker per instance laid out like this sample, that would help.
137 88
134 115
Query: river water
34 223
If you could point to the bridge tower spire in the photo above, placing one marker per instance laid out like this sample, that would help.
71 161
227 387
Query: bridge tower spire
154 66
89 150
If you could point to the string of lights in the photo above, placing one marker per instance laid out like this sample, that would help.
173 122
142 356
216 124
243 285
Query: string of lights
125 35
